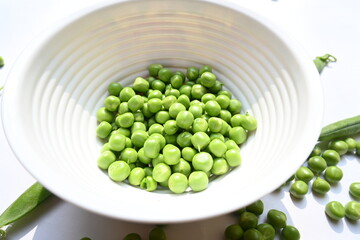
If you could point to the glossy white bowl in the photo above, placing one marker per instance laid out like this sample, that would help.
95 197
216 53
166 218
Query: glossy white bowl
58 83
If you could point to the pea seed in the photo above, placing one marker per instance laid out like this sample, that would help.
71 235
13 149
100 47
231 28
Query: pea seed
233 232
352 210
290 233
354 189
267 231
276 218
157 234
248 220
198 181
304 174
320 186
299 189
333 174
335 210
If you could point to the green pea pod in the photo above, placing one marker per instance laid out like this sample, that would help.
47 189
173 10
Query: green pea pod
340 129
24 204
323 61
2 63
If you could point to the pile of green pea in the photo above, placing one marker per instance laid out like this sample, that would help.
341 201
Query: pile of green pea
321 172
171 130
249 228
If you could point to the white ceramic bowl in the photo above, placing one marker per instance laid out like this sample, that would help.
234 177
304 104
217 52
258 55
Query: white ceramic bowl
55 88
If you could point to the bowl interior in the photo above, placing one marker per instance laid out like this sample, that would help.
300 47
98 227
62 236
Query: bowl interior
53 93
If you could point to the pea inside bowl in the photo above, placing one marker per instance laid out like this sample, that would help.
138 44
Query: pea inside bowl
53 93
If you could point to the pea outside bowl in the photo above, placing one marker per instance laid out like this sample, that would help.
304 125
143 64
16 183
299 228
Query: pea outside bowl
54 90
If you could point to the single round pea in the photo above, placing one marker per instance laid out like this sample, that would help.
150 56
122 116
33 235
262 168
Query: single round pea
117 142
335 210
171 154
181 74
175 109
316 151
238 134
351 142
192 73
215 124
276 218
267 231
317 164
159 137
138 126
153 93
220 166
170 127
132 236
183 167
164 75
145 110
198 181
207 97
155 105
142 158
252 234
157 160
236 120
123 131
304 174
233 157
135 103
105 159
352 210
248 220
197 91
162 117
202 161
171 139
354 189
331 157
158 85
114 88
225 92
188 153
234 106
123 108
333 174
103 129
111 103
148 183
231 144
184 139
196 110
184 100
118 171
176 81
139 116
338 145
125 120
256 207
105 147
208 79
212 108
233 232
129 155
172 92
152 147
168 101
299 189
200 140
185 90
184 119
136 175
217 136
126 93
217 147
154 69
141 85
225 115
320 186
249 122
156 128
161 172
199 125
217 87
223 101
104 115
178 183
290 233
205 68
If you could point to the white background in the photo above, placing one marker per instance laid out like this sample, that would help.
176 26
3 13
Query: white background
321 26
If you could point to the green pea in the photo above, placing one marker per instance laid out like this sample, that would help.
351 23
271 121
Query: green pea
339 146
276 218
236 120
217 147
164 74
184 119
111 103
157 160
352 210
117 142
170 127
351 142
129 155
354 189
200 140
196 110
105 147
225 92
175 109
171 154
176 81
132 236
248 220
215 124
317 164
333 174
181 74
103 129
208 79
331 157
223 101
173 92
150 79
205 68
231 144
141 85
122 131
238 134
156 128
126 93
114 88
178 183
220 166
207 97
184 139
152 147
142 158
299 189
182 167
197 91
192 73
185 90
123 108
233 157
161 172
184 100
154 69
135 103
139 117
138 126
125 120
217 87
335 210
104 115
267 231
202 161
136 175
252 234
105 159
249 122
217 136
158 85
149 184
316 151
118 171
233 232
304 174
162 116
155 105
212 108
161 139
198 181
234 106
157 234
188 153
256 207
225 115
290 233
154 94
320 186
171 139
168 101
199 125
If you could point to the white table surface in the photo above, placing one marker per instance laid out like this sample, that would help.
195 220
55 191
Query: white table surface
321 26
